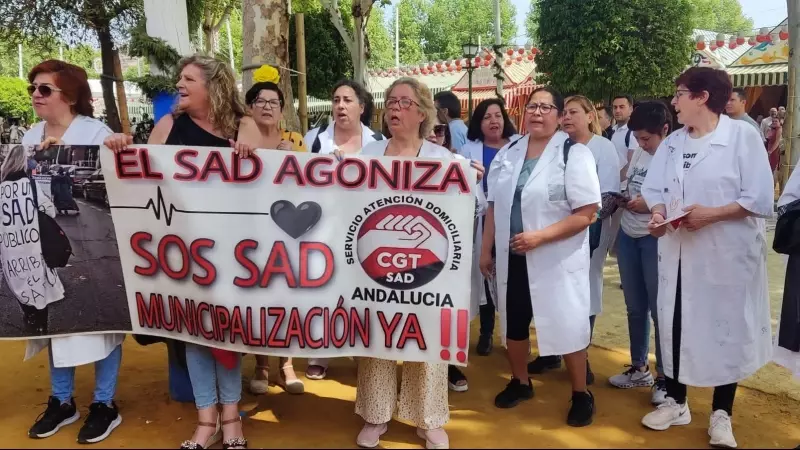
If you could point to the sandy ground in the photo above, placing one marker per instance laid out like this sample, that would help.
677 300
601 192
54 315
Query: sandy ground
766 415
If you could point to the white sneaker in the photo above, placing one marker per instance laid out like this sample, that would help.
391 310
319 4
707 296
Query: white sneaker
667 414
633 377
659 394
720 430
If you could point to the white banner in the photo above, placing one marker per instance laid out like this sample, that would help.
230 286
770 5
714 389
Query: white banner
296 254
44 182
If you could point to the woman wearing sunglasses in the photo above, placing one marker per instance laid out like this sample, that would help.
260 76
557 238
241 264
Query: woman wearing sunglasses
543 196
440 135
490 129
422 399
62 98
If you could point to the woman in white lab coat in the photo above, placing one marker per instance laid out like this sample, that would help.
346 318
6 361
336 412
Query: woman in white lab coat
490 129
580 122
713 305
61 96
541 204
787 352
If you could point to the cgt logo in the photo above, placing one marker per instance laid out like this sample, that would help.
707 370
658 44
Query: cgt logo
402 247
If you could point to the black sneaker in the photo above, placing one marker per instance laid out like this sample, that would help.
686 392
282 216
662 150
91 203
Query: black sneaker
589 374
99 424
544 363
582 409
485 345
514 393
56 415
454 376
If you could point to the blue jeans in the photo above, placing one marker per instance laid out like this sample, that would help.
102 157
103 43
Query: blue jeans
62 379
207 375
638 269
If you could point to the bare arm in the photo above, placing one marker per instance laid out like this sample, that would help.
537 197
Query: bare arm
161 131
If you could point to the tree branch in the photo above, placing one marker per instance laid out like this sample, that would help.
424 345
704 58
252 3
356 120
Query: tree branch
225 14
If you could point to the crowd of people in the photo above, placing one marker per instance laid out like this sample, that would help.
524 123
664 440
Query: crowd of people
684 210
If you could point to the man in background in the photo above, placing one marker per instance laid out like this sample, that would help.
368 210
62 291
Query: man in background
604 116
448 108
766 124
623 138
737 109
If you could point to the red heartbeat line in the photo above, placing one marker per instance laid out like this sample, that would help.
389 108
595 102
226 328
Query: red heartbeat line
159 206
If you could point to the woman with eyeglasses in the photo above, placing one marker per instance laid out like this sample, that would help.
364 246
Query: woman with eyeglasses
709 188
265 100
543 196
581 123
63 100
423 401
490 129
209 113
440 135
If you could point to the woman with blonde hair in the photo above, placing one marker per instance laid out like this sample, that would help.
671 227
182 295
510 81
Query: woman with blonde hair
209 113
581 123
410 116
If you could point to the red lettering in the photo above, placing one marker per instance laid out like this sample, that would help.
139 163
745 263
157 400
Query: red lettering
214 164
295 330
181 159
305 249
237 327
278 263
208 335
147 172
378 171
324 178
211 271
148 313
238 176
136 245
455 176
272 340
357 326
162 257
310 341
122 162
411 330
430 168
289 168
388 328
360 178
240 251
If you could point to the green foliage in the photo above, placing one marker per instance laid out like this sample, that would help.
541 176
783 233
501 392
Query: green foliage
722 16
381 45
413 15
151 85
604 47
236 38
532 25
452 23
161 54
14 99
327 57
35 51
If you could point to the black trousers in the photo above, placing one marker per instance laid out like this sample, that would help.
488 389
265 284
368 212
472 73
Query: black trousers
723 395
487 311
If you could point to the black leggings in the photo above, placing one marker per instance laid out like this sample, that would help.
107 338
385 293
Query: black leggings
519 311
723 395
487 310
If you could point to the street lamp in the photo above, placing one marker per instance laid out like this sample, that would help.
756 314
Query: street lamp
469 50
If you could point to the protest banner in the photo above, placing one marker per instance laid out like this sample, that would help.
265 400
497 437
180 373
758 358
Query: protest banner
296 254
44 182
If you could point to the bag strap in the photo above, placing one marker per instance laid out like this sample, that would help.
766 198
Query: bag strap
628 139
567 145
34 192
315 147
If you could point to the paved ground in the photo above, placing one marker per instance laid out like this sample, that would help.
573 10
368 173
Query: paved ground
93 280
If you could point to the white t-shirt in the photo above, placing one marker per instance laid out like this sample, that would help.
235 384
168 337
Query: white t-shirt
82 131
635 224
605 155
620 131
693 148
427 150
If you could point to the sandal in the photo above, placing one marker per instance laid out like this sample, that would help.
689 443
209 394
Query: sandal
191 445
234 443
316 372
295 386
456 380
259 387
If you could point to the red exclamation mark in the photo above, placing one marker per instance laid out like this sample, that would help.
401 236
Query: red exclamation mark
461 336
445 330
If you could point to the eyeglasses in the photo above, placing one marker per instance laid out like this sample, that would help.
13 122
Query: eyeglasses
543 108
404 103
262 103
439 129
679 92
45 90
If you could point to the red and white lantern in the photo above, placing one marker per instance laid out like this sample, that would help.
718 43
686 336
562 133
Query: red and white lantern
740 38
700 43
720 40
784 33
732 43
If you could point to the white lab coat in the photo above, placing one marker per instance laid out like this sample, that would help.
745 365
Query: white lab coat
558 272
473 150
326 143
75 350
783 356
725 319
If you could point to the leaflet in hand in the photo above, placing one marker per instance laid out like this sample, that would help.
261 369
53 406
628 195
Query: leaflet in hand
675 221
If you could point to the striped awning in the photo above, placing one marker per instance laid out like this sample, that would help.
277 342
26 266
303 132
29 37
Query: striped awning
761 75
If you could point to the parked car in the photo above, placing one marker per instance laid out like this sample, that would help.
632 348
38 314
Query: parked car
94 187
79 175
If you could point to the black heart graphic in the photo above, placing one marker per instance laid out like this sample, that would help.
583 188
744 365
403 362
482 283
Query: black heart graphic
295 221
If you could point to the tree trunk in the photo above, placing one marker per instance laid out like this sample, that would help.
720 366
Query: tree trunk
265 39
107 77
121 96
209 40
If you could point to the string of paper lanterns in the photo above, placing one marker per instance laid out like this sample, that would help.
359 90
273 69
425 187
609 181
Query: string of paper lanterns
484 59
763 35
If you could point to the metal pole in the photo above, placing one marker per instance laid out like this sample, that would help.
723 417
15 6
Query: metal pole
19 56
469 94
230 43
498 40
793 107
302 90
61 52
397 35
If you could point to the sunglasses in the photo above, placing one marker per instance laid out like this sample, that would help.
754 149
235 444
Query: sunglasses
45 90
439 129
